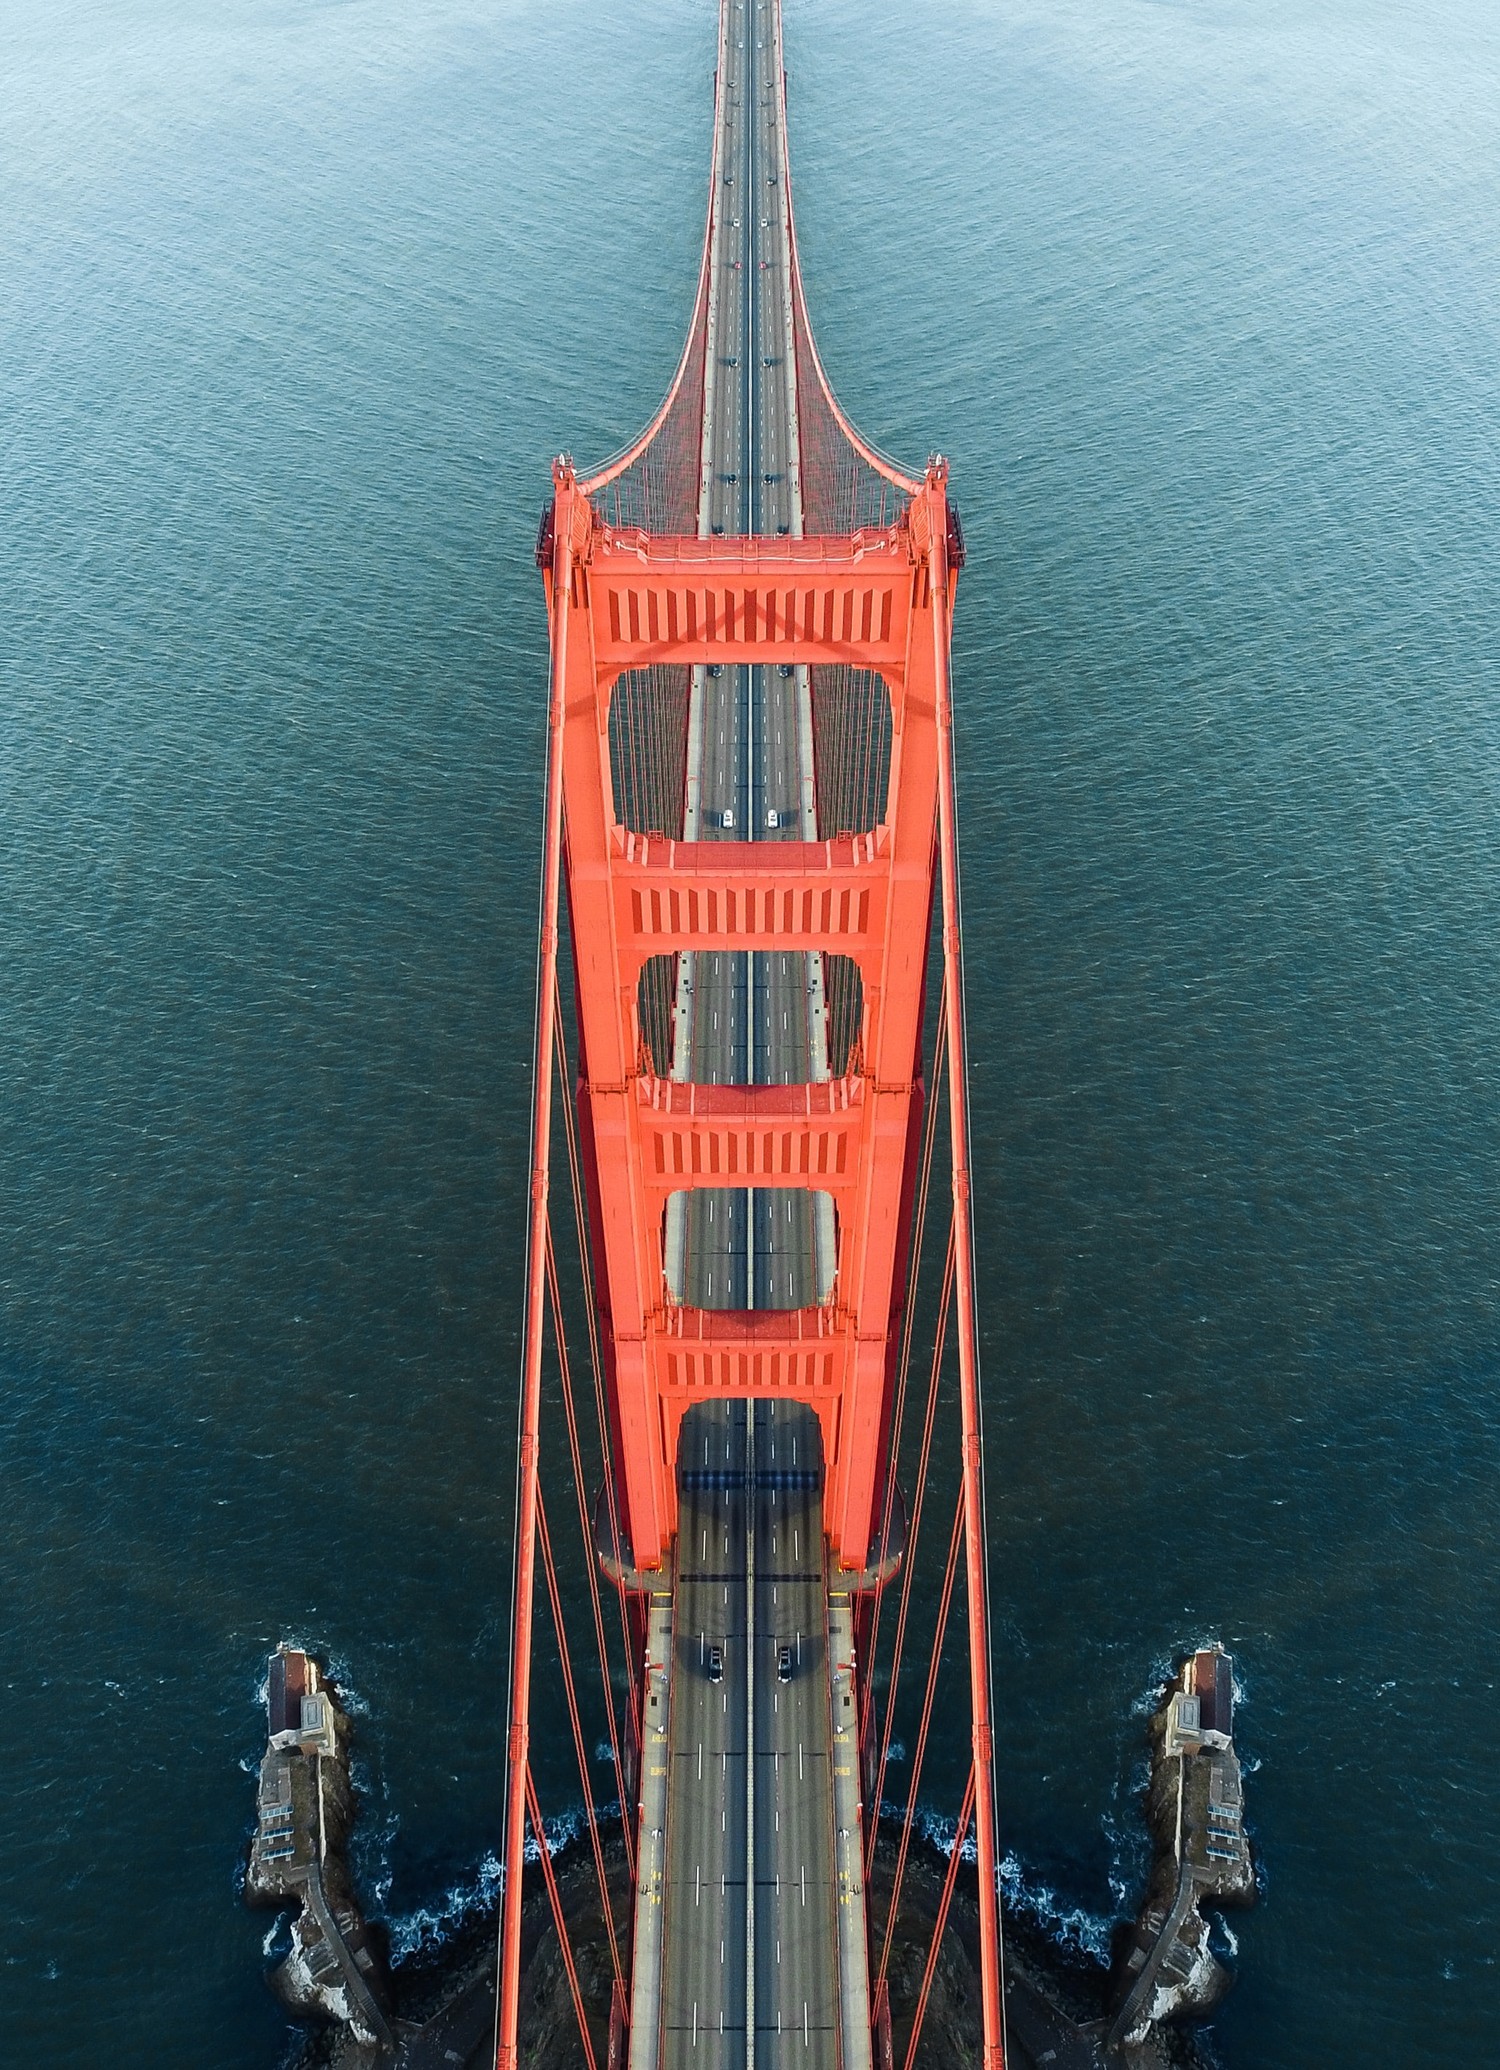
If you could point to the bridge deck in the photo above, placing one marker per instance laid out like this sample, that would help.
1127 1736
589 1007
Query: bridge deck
750 1796
750 1669
797 1948
704 1967
746 1019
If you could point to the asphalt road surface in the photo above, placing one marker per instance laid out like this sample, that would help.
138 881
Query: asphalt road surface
796 1939
747 1017
749 1577
704 1969
750 1668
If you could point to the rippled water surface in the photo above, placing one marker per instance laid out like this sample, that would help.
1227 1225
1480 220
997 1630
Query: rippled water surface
1202 300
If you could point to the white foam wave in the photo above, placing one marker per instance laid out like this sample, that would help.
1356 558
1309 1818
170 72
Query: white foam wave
941 1831
1070 1926
429 1926
1129 1846
341 1674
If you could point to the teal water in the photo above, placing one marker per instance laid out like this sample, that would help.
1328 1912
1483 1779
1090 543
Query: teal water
1202 301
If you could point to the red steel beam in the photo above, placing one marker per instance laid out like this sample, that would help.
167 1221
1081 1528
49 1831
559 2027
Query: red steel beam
750 895
761 1135
758 1350
747 599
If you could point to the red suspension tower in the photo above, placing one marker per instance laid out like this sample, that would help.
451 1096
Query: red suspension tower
814 583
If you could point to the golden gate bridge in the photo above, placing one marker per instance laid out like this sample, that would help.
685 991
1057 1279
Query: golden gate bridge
754 1087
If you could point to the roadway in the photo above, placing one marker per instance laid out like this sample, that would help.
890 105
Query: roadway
750 1571
796 1938
704 1969
746 1019
750 1539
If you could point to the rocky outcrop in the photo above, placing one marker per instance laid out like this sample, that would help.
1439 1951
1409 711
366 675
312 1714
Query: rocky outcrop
304 1813
1195 1806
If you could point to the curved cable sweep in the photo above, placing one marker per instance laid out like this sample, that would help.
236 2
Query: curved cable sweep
653 484
847 485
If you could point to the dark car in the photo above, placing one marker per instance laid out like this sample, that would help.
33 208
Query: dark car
784 1664
716 1663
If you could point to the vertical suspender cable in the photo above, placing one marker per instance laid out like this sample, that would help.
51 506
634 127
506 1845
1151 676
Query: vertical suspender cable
517 1774
911 1547
903 1369
590 1559
991 1957
942 1921
596 1361
549 1569
920 1754
560 1923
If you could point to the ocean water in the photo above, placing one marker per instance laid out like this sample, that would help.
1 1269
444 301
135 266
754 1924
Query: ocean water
1202 300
